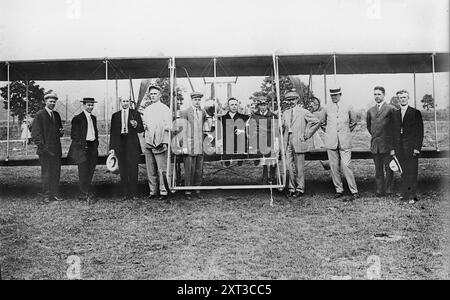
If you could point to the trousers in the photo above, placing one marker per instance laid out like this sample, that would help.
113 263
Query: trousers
341 158
156 164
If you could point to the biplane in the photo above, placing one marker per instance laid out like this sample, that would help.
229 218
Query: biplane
330 64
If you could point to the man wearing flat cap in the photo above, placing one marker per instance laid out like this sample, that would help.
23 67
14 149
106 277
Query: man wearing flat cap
263 136
339 120
299 125
157 120
193 120
46 133
126 124
83 150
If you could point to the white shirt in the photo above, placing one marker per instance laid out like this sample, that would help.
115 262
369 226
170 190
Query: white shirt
232 114
197 112
157 119
403 110
124 120
90 135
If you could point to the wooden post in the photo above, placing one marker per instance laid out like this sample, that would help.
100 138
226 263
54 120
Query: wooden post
434 102
277 84
106 105
8 111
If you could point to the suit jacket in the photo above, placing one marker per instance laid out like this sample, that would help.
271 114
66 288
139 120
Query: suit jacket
77 150
302 124
339 124
131 145
46 133
380 125
264 127
191 138
408 134
239 123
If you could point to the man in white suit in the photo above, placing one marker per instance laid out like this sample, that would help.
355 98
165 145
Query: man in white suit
157 120
340 120
298 126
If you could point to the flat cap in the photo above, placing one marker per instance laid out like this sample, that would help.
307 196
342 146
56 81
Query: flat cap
261 100
154 86
196 95
289 95
51 96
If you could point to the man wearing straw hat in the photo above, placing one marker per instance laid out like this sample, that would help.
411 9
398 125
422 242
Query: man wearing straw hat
83 150
46 133
340 120
124 143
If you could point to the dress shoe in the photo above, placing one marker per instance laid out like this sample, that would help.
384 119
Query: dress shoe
151 196
240 162
355 196
290 194
348 199
379 194
298 194
338 195
163 197
46 200
59 199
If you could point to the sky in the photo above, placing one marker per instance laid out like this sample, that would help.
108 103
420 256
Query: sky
52 29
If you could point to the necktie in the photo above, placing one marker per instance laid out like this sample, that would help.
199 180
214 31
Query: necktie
52 116
124 122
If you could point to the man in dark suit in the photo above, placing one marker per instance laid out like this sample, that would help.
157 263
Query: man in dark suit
408 139
233 129
46 133
379 122
124 143
83 150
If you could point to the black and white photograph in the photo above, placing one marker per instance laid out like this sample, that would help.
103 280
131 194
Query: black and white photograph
248 142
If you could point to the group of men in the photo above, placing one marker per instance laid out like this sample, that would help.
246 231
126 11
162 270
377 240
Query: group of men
394 133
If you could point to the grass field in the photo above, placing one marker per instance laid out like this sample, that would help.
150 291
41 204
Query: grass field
225 234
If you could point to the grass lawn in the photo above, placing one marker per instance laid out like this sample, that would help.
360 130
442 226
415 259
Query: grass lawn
225 234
